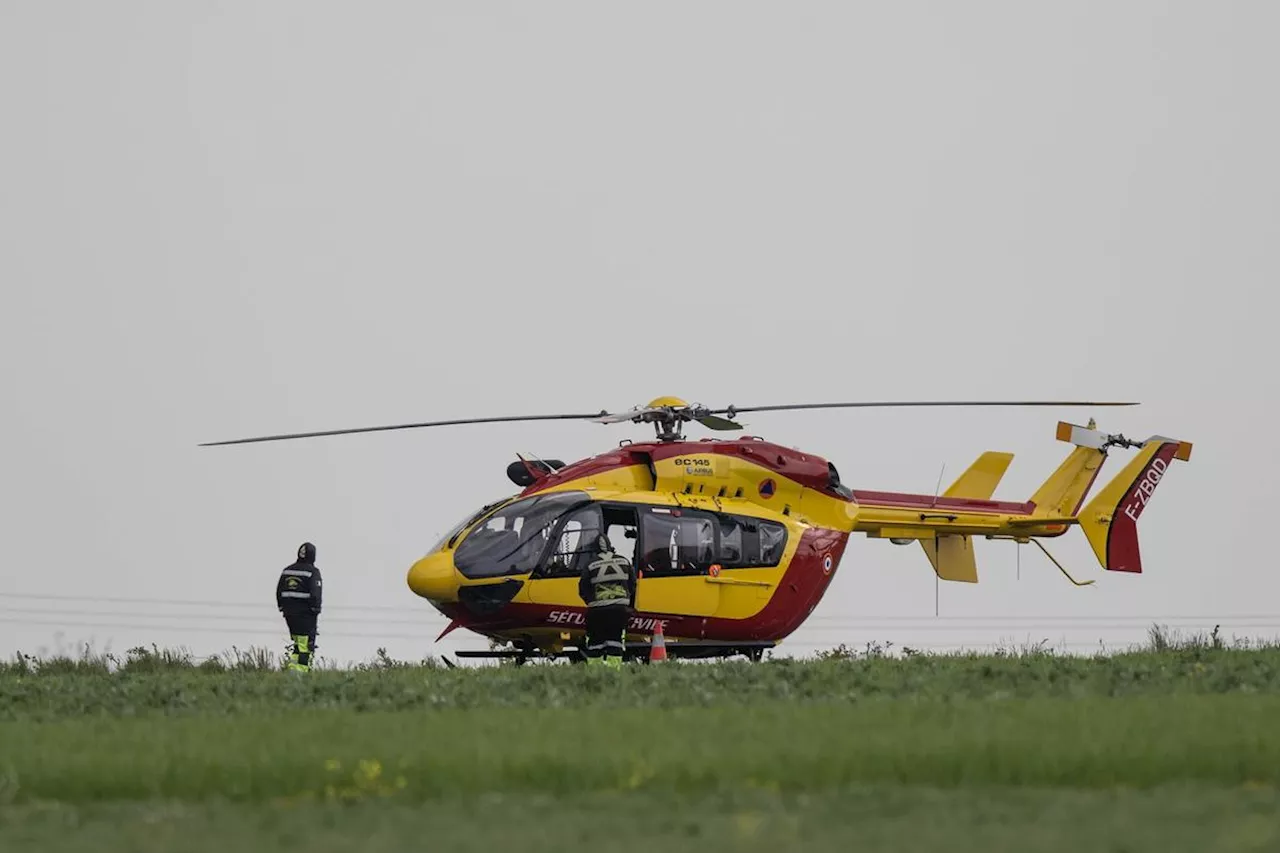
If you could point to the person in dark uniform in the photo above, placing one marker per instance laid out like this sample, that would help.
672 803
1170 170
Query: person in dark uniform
299 598
607 585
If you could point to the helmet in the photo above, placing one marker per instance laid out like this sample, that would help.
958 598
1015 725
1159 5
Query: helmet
603 545
306 553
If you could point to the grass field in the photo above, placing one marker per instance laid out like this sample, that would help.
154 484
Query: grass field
1175 748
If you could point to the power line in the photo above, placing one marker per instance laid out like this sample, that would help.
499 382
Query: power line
812 625
1045 618
843 619
169 602
1115 626
430 620
48 611
197 629
975 647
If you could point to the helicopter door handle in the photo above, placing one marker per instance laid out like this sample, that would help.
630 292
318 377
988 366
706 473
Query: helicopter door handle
737 581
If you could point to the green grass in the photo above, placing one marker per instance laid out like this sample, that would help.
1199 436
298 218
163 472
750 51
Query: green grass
1170 749
153 681
1090 743
878 820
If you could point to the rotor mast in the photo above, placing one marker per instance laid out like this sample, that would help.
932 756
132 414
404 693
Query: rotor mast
667 426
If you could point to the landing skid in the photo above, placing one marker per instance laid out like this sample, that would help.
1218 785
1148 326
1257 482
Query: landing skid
752 650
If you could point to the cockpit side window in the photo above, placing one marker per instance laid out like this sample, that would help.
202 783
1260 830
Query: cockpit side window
575 544
513 539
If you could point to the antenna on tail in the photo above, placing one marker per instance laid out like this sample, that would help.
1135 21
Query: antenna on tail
936 582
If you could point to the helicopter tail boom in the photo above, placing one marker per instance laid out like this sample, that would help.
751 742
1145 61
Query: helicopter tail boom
946 525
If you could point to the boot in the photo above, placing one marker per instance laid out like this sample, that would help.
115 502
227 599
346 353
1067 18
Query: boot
300 660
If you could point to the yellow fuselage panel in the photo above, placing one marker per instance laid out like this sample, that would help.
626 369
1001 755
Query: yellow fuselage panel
716 476
734 594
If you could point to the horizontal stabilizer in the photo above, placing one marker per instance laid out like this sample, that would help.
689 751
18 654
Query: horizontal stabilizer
952 557
1110 520
981 478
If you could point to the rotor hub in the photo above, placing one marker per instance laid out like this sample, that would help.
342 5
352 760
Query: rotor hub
669 414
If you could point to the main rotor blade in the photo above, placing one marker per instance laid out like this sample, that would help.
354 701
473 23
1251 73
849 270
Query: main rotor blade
715 422
618 417
621 417
406 426
739 409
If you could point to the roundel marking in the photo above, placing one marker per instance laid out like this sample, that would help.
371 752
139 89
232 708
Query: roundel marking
826 564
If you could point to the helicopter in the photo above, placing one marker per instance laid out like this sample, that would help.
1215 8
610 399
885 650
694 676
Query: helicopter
736 540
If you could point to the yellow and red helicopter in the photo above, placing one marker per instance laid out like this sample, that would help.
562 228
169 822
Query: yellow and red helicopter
735 541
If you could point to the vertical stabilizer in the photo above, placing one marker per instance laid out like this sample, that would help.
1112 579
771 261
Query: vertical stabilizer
1064 491
981 478
1110 521
952 557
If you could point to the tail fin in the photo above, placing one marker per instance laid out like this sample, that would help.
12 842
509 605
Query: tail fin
952 557
981 478
1064 491
1110 521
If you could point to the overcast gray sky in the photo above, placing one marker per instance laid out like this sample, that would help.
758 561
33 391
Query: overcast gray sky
220 220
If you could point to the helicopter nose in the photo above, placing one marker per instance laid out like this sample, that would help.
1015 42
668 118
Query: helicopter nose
432 577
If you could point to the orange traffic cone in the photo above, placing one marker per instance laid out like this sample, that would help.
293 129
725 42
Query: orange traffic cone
658 645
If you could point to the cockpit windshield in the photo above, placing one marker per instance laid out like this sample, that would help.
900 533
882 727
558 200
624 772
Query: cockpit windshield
511 541
465 523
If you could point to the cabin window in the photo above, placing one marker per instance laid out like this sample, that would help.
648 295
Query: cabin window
773 540
750 542
513 539
731 553
575 544
676 542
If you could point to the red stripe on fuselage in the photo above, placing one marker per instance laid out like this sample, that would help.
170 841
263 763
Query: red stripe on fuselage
803 468
909 501
621 458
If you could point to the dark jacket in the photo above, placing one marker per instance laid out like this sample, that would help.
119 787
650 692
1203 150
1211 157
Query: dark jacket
608 579
299 588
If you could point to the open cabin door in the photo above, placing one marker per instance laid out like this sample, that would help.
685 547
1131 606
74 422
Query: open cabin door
672 549
555 581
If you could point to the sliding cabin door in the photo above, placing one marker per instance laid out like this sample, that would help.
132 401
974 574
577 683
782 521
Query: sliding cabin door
677 548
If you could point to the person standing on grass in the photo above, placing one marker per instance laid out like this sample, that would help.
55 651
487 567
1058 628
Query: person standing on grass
298 597
607 586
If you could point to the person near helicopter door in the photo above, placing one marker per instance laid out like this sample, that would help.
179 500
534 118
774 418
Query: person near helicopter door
299 593
607 586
